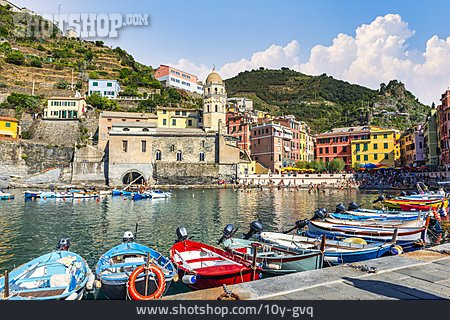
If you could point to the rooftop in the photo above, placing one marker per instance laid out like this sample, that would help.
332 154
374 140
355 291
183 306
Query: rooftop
129 115
9 119
66 98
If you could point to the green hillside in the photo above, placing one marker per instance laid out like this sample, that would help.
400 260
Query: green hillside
325 102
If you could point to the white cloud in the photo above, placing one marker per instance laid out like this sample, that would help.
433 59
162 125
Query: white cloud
377 53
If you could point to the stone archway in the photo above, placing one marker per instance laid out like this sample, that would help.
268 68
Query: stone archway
133 177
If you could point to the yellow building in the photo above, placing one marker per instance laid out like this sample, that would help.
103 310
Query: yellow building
380 148
64 108
9 128
177 117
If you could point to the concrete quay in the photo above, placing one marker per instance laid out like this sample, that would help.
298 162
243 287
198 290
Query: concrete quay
423 274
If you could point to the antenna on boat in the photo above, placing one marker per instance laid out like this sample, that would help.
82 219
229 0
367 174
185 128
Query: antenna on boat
136 230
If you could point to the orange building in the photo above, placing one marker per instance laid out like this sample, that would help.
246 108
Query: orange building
171 77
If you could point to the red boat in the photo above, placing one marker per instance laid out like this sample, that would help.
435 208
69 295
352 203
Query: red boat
201 266
415 207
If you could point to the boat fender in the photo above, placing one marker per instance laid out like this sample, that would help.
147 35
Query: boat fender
189 279
97 284
135 295
333 260
273 266
90 281
396 250
355 240
175 278
72 296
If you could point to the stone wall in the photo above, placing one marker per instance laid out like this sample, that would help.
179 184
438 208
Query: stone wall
26 159
88 166
56 132
186 173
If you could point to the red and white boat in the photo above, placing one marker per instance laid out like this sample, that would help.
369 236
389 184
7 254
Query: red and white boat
201 266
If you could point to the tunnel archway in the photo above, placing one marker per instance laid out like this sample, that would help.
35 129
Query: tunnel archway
133 177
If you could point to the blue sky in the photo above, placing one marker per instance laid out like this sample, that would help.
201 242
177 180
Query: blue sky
212 32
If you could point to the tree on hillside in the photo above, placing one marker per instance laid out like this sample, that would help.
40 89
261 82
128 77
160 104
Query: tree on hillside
15 57
101 103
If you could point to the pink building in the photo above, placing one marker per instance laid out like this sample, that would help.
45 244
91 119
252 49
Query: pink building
171 77
238 126
443 117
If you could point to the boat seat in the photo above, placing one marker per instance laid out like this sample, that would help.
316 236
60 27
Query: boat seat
60 280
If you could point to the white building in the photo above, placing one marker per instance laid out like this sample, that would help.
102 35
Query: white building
107 88
171 77
241 104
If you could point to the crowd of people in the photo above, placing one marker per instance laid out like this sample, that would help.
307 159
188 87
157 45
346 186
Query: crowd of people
393 179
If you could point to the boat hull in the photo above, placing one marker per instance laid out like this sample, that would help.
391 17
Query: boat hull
117 290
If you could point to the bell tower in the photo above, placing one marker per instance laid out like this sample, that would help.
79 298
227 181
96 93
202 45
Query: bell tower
214 102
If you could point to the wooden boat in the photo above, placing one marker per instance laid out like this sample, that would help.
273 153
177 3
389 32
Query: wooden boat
431 203
85 195
116 265
375 217
416 223
336 252
6 196
48 195
117 192
159 194
366 232
202 266
275 259
59 275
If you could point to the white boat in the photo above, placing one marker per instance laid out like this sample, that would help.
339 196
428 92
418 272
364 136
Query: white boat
159 194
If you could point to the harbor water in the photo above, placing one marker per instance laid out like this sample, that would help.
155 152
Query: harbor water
31 228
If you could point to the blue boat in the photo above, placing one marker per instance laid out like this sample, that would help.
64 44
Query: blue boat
6 196
59 275
336 252
350 216
116 265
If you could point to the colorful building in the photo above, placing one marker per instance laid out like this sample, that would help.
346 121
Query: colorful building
412 147
238 126
336 144
106 88
271 146
178 117
171 77
430 139
63 108
443 118
9 128
377 147
237 104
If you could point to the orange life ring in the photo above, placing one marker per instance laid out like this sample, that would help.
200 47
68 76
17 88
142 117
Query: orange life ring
132 283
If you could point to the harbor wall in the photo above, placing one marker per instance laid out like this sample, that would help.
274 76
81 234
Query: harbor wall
302 180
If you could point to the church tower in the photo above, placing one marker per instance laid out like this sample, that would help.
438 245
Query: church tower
214 103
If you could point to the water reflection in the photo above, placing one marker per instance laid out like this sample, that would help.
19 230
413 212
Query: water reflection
32 228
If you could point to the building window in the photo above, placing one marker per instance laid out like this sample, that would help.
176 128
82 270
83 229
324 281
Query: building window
95 84
158 155
386 145
216 108
164 111
179 156
189 123
164 122
366 146
386 156
144 146
8 125
358 158
174 122
344 149
202 144
334 149
375 157
124 145
202 156
109 84
320 150
375 146
375 136
357 148
172 148
385 136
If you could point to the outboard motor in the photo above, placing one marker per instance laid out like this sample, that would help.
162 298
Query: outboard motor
181 234
63 244
403 194
300 224
227 233
340 208
352 206
320 214
380 198
255 228
128 236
